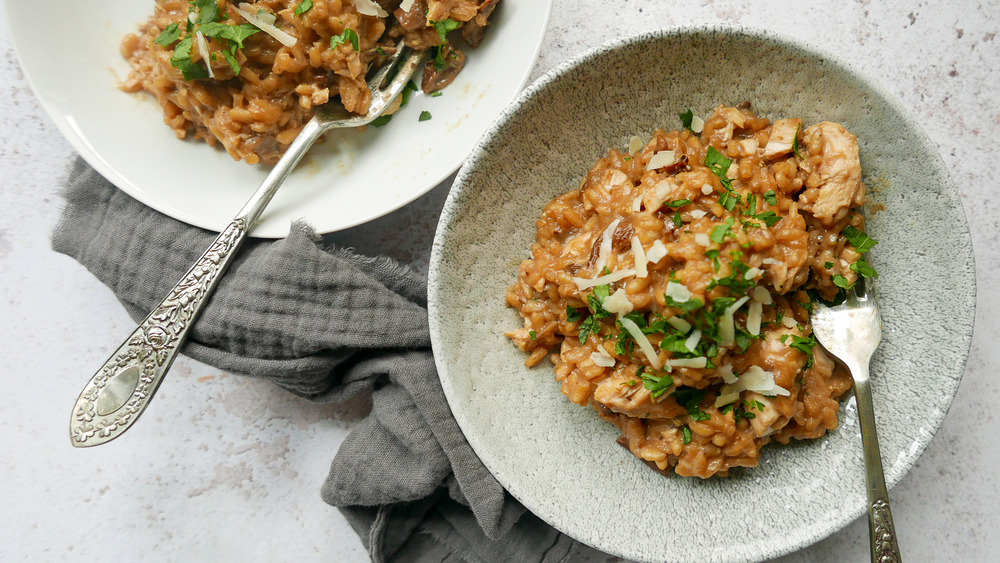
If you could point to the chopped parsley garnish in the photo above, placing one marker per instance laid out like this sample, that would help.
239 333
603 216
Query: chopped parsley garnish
796 145
718 164
306 5
381 51
713 254
841 282
686 435
233 35
679 203
678 220
588 327
439 93
348 36
770 218
828 265
630 382
424 116
804 345
859 239
720 232
381 120
573 314
690 398
443 27
208 11
408 90
656 385
169 35
533 335
863 268
181 60
687 118
771 197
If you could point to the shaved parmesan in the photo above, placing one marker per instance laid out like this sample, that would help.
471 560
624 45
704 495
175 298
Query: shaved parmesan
582 283
635 144
661 160
697 214
285 39
678 292
726 372
642 341
656 252
370 8
703 239
601 358
707 189
761 295
789 322
698 362
754 316
405 5
727 399
754 379
771 261
637 204
692 341
618 303
733 172
697 124
605 250
727 327
679 323
203 51
753 273
663 188
640 258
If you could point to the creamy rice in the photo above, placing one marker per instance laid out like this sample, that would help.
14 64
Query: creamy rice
262 91
672 290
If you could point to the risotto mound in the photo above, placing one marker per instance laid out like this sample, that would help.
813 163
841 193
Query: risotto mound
675 285
249 75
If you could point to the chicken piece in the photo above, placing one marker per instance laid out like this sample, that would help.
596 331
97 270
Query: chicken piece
834 182
782 138
625 394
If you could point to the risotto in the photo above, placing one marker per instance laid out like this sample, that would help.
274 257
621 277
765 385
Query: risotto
250 75
672 290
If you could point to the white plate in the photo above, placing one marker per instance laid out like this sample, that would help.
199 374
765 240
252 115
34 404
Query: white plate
559 459
70 54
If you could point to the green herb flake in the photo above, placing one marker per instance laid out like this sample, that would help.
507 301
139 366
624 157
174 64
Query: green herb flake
306 5
717 162
630 382
588 327
444 27
687 118
425 116
381 51
573 314
381 120
691 399
771 197
841 281
720 232
678 220
686 435
859 239
863 268
348 36
828 265
656 385
208 11
770 218
439 93
181 60
796 145
168 36
679 203
533 335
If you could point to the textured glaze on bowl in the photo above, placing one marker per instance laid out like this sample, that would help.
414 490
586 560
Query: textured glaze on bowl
559 459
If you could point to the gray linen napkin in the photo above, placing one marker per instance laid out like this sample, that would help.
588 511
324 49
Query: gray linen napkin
326 324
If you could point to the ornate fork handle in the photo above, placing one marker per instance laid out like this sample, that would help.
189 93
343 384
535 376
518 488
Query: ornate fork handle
115 397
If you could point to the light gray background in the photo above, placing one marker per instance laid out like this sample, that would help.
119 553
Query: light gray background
227 467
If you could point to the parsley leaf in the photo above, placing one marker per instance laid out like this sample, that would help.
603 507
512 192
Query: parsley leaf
720 232
233 34
770 218
691 398
796 145
381 120
687 118
717 162
771 197
657 385
425 116
686 435
804 345
841 281
679 203
303 7
443 27
170 34
181 60
349 35
573 314
864 268
409 89
588 327
859 239
208 11
678 220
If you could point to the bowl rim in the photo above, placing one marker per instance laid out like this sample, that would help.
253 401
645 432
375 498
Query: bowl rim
967 293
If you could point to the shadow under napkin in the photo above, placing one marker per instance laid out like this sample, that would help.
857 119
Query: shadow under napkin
326 324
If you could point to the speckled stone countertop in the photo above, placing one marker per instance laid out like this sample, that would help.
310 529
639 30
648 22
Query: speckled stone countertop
227 468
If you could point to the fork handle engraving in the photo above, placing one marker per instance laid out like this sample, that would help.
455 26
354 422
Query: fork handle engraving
121 389
884 546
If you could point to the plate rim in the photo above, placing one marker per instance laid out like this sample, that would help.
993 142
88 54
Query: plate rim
967 298
81 145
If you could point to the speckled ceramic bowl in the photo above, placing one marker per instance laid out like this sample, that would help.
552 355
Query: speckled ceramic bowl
560 459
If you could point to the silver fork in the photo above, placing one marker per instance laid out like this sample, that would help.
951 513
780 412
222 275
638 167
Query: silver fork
851 331
122 388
